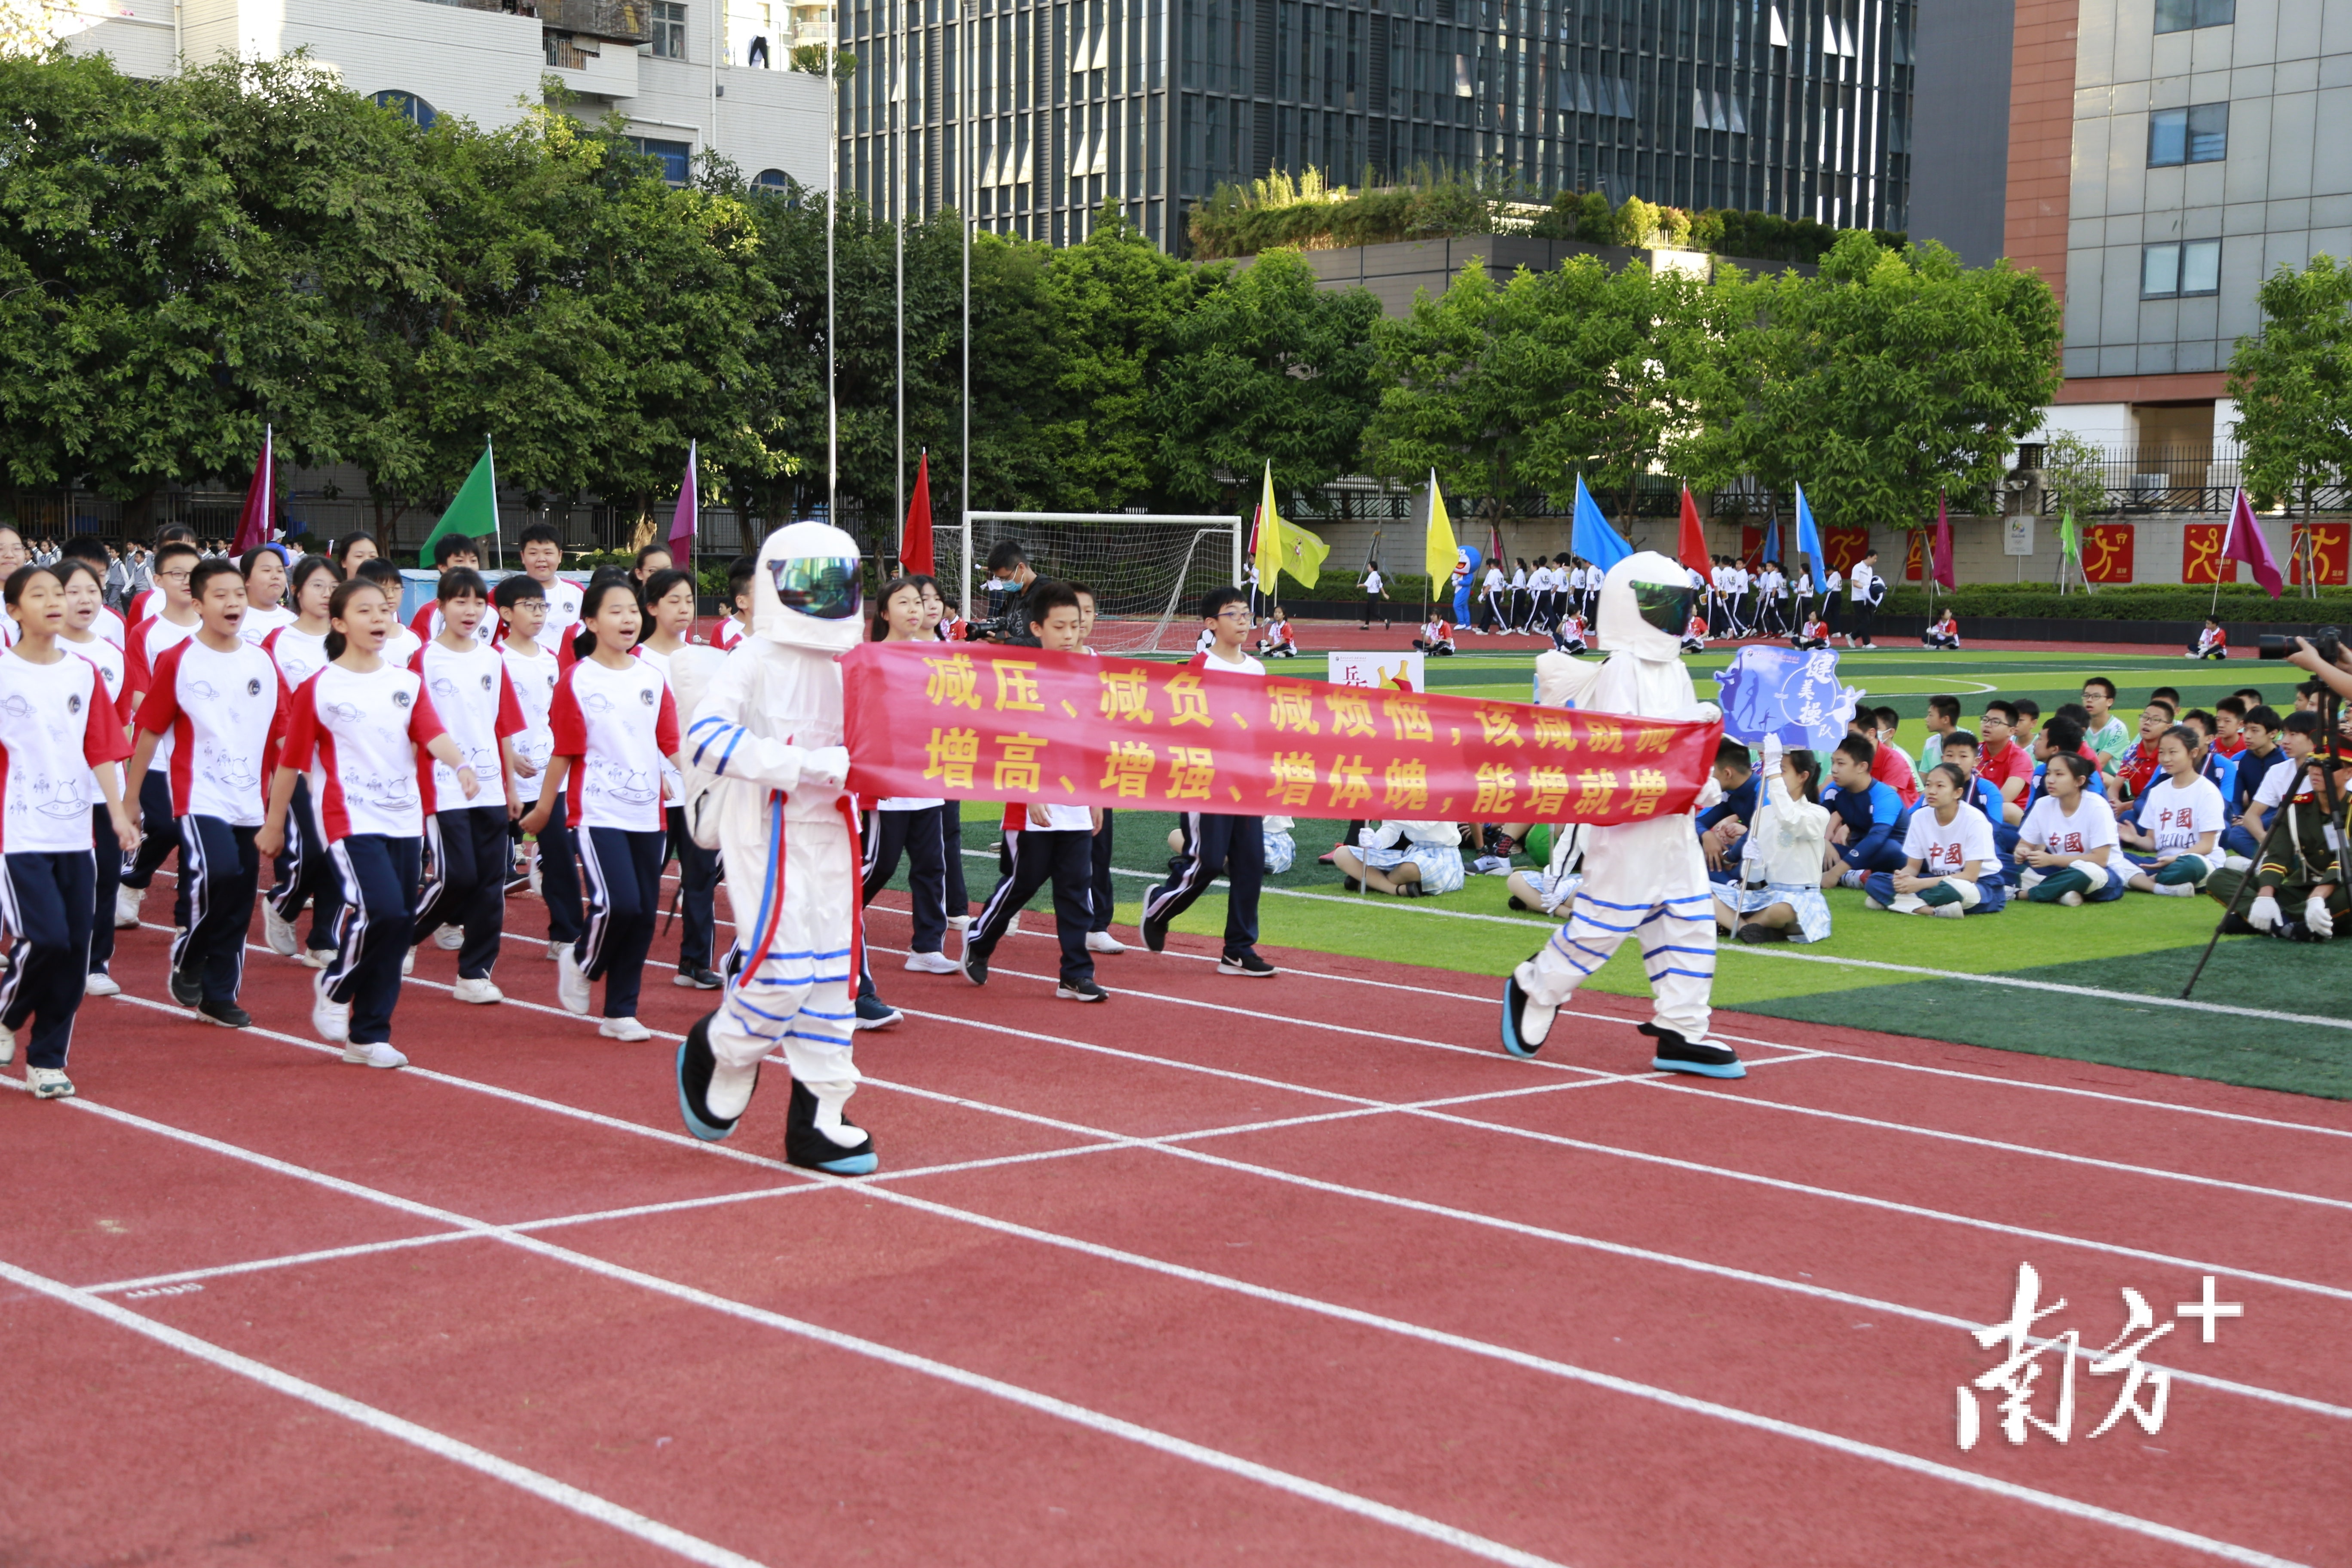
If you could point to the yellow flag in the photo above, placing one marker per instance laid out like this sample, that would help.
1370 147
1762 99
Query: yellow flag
1441 556
1285 546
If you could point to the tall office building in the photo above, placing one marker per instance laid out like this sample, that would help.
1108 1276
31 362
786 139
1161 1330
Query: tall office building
1796 107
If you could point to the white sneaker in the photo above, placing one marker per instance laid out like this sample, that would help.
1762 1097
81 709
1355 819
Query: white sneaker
450 939
624 1030
49 1083
477 990
570 986
7 1046
408 961
536 891
556 949
959 923
278 931
331 1019
315 957
2072 901
1103 942
940 963
2237 863
97 986
2175 889
126 907
1949 911
375 1056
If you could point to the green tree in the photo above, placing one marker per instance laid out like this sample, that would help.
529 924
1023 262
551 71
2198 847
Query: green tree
1445 402
2293 384
1265 368
1889 378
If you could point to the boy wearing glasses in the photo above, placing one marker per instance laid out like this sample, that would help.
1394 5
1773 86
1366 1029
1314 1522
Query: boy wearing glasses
174 622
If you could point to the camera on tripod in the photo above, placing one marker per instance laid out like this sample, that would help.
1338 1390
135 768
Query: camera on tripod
2327 642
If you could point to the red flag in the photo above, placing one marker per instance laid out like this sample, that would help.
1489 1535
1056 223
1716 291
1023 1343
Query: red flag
1692 550
261 498
687 513
2245 542
915 557
1940 556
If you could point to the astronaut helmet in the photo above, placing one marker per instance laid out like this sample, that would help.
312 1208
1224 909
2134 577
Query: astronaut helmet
805 589
1645 603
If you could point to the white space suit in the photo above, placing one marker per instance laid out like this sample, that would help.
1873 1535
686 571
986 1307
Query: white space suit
1645 880
765 768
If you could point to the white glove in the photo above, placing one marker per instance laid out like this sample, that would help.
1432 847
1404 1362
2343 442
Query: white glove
1708 713
2264 913
824 770
2315 917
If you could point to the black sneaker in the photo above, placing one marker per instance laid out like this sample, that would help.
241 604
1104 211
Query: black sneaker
811 1150
699 979
1155 934
1246 964
873 1013
1081 990
695 1064
1351 884
186 989
1678 1055
1754 932
975 965
227 1015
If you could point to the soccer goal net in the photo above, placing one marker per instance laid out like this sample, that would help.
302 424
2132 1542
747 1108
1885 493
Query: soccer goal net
1148 572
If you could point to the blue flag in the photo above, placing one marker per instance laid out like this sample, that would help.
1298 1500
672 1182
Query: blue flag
1781 691
1593 538
1809 540
1773 539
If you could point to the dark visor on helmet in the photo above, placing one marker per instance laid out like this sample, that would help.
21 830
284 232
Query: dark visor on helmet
826 587
1665 605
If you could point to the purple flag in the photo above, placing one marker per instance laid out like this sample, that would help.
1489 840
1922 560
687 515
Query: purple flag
2245 542
1942 554
682 521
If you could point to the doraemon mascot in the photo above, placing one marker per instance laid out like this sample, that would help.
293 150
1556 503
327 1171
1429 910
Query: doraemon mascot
1465 578
765 769
1640 878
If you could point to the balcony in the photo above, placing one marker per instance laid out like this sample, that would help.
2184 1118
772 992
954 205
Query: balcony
614 21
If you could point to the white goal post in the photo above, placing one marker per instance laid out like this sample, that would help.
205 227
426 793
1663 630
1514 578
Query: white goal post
1146 569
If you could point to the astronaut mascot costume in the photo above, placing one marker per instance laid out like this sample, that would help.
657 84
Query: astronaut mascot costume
1642 879
765 769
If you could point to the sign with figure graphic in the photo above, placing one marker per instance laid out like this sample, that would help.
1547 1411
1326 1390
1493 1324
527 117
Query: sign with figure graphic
1388 671
1782 691
2201 552
2107 553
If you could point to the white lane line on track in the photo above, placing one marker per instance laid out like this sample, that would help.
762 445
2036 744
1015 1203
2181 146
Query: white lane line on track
908 1360
1113 1426
586 1504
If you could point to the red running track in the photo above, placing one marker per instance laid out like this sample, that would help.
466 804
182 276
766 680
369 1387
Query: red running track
1304 1269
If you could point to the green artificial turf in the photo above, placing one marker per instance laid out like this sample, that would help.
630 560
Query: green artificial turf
2139 947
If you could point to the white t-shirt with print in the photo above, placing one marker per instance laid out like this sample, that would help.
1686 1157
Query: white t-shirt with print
358 737
1947 849
619 726
2049 827
532 678
299 653
470 694
221 711
258 622
2177 817
60 729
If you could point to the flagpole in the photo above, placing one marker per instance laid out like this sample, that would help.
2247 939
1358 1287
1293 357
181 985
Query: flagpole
832 204
498 540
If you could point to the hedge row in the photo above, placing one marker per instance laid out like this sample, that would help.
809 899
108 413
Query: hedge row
2128 602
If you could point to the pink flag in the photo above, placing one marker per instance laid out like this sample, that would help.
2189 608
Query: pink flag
682 521
1941 555
253 525
2245 542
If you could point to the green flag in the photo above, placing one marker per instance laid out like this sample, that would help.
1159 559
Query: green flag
474 509
2068 545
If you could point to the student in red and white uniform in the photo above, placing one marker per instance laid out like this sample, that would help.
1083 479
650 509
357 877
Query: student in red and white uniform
56 750
532 671
357 728
737 620
614 725
264 571
465 680
912 827
304 873
1694 635
1099 891
174 622
541 555
943 625
85 588
84 548
217 696
451 552
150 601
669 620
400 644
1436 635
12 555
1278 642
1815 633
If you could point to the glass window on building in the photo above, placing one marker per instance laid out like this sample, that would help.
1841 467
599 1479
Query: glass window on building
408 106
2181 272
669 28
2198 135
2180 15
675 158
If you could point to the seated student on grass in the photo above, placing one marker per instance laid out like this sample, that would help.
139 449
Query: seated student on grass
2250 818
1867 836
1960 752
2068 849
2180 820
2103 732
1436 637
1277 642
2299 882
1561 852
1777 895
1569 637
1950 866
1944 635
1943 717
2137 768
1694 635
2212 642
2003 760
1410 860
2230 727
1888 765
2211 764
2029 718
1813 634
1720 826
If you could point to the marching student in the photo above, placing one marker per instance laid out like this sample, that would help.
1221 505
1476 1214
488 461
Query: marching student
945 625
451 552
175 621
907 825
2068 844
357 728
1101 893
1054 843
1214 844
2180 821
58 751
101 560
349 552
542 554
147 597
533 671
652 561
304 872
737 620
669 621
217 696
465 834
401 645
85 589
264 571
614 723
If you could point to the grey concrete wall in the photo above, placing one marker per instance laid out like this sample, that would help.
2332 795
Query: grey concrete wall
1959 126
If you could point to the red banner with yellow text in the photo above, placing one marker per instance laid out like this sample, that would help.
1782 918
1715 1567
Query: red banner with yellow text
981 722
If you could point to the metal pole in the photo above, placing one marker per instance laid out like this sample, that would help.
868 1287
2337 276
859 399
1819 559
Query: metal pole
832 203
901 114
964 222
